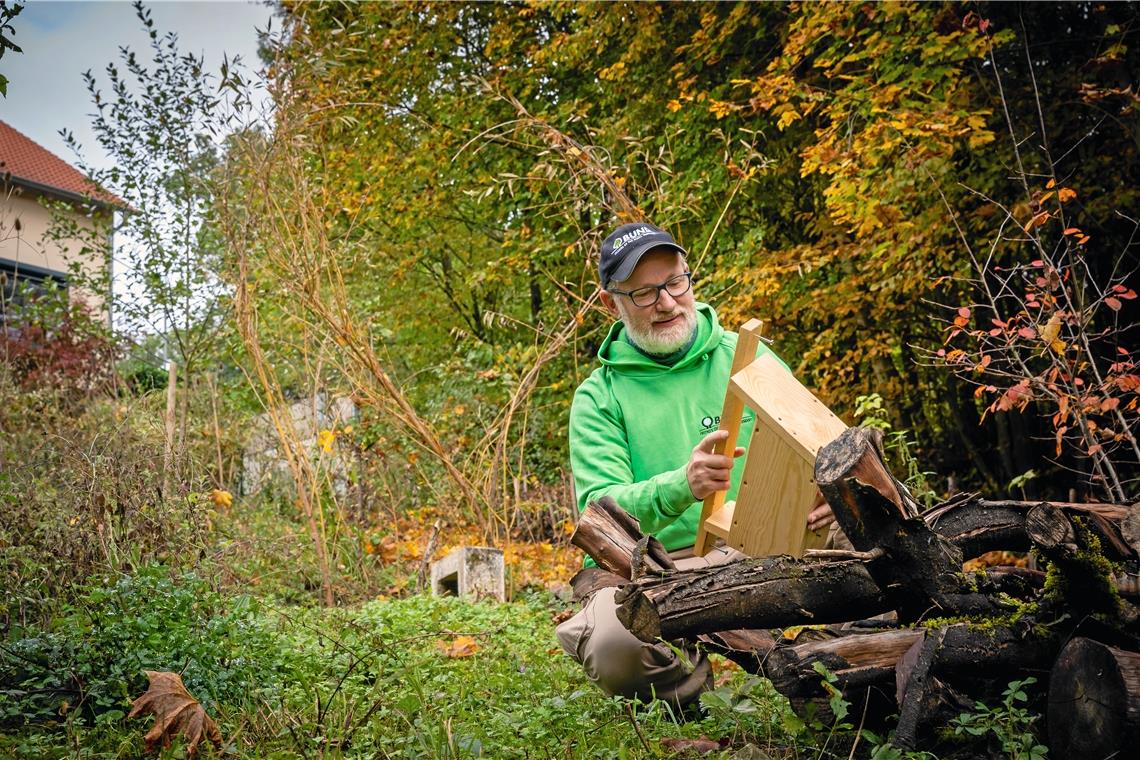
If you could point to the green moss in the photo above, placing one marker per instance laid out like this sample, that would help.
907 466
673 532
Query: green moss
1086 583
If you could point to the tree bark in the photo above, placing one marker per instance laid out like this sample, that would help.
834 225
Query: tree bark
759 593
1094 701
871 659
920 571
611 536
977 525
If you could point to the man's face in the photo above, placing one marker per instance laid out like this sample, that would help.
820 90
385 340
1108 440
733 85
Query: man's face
668 325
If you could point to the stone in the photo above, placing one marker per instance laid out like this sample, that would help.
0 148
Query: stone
472 571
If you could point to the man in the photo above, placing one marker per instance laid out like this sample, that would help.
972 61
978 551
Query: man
643 428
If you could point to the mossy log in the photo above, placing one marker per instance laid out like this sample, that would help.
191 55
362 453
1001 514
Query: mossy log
919 570
976 525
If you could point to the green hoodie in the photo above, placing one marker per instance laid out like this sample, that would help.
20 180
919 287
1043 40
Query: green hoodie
634 424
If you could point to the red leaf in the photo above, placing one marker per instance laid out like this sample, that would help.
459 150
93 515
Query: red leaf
1109 404
1113 303
1027 332
964 313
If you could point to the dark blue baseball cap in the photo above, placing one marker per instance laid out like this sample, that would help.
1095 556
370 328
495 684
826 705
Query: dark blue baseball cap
626 245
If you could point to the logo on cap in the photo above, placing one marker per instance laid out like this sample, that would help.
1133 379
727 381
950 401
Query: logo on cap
629 237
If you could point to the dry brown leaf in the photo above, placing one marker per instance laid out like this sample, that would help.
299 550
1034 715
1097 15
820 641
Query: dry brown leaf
175 712
460 646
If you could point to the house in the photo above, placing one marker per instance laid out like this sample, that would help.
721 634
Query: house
30 177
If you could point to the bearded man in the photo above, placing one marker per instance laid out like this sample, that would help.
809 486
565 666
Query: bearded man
643 428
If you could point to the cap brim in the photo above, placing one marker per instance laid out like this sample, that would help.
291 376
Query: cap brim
631 259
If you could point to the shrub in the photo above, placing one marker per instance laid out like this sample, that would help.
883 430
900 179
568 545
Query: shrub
91 660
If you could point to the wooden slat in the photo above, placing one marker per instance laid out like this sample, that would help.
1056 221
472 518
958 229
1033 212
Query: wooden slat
747 344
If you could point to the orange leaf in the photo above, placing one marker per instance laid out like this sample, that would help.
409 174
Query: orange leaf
1065 194
222 499
460 646
175 712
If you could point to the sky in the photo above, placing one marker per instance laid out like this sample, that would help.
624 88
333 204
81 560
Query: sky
61 40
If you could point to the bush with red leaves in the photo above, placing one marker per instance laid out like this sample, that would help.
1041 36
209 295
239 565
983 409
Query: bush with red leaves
62 351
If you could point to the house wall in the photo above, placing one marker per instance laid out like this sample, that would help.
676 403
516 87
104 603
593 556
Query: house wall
29 245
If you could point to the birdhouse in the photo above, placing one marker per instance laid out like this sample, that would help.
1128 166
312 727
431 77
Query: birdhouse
778 487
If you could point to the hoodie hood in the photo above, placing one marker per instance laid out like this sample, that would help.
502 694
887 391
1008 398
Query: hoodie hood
620 355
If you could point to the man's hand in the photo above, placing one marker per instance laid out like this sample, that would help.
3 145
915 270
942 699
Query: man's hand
821 515
709 472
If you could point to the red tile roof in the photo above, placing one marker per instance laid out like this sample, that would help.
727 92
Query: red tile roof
32 163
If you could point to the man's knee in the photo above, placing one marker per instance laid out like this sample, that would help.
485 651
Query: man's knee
623 665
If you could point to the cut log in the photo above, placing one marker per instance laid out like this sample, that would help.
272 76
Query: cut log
1094 701
610 535
977 525
758 593
1086 585
871 658
920 571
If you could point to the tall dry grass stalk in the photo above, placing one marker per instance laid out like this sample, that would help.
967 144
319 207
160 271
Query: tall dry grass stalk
274 217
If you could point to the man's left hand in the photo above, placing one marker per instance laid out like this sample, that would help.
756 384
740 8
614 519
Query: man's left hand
821 515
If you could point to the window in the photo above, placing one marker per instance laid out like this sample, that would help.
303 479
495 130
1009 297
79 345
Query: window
21 283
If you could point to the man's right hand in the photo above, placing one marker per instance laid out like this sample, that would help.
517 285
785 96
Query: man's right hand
709 472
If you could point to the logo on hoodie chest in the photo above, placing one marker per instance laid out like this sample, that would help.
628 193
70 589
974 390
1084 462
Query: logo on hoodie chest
709 424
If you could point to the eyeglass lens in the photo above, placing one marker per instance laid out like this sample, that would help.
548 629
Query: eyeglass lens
675 286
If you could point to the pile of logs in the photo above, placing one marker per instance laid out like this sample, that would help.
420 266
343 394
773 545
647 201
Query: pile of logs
898 620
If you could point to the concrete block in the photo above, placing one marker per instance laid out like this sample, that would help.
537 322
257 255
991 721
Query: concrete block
475 571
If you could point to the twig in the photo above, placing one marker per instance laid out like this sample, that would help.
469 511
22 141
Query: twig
426 560
862 720
844 554
637 728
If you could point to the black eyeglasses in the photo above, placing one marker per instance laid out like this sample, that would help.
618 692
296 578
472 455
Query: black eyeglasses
676 286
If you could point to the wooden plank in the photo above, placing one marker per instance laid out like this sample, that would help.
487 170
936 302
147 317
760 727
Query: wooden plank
784 405
719 523
775 497
748 342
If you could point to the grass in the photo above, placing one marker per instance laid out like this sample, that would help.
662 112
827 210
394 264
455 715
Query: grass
382 680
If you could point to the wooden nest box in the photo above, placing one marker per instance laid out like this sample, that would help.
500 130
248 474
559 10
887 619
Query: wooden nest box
778 488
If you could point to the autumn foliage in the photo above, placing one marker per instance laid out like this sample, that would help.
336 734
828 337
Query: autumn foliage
830 166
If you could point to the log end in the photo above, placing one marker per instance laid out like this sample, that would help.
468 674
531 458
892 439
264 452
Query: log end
1089 711
637 613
